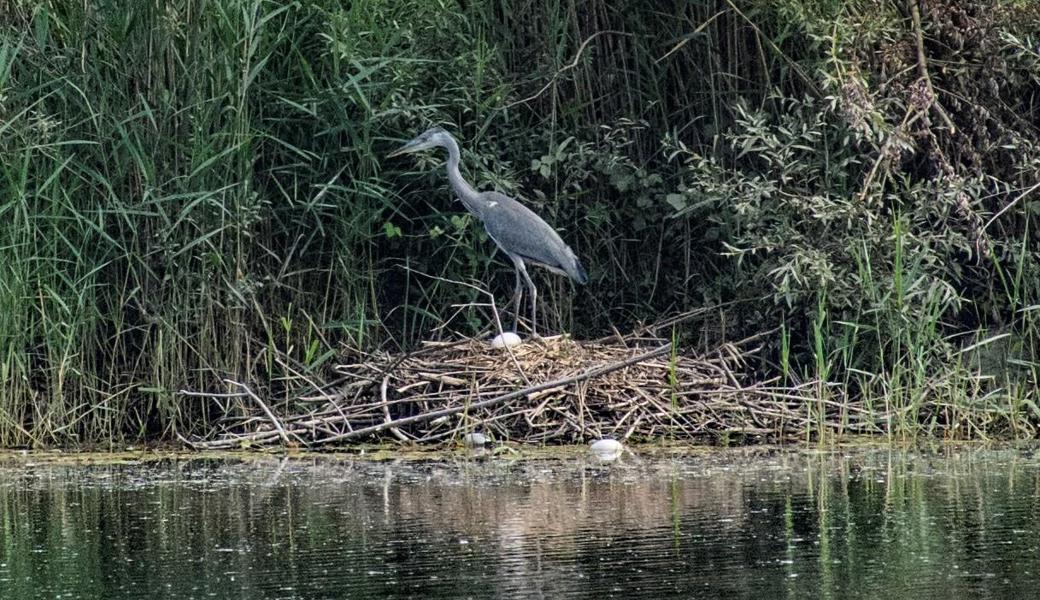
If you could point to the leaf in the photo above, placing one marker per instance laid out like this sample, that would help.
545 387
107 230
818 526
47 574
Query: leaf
677 201
390 230
459 222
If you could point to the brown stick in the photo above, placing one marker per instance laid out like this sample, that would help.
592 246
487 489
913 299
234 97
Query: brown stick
386 411
267 411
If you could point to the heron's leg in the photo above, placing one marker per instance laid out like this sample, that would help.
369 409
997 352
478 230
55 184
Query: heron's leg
517 292
533 299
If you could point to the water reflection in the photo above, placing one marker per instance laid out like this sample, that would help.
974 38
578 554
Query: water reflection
736 524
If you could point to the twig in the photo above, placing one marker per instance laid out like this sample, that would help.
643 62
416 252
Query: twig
652 328
270 415
386 411
567 67
214 394
883 152
794 65
689 36
1009 205
922 65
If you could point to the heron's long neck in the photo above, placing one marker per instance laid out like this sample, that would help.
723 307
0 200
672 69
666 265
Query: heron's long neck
464 190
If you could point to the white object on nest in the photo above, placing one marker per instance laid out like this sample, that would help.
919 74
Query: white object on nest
505 339
607 450
475 440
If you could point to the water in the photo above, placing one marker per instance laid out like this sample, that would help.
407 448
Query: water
953 523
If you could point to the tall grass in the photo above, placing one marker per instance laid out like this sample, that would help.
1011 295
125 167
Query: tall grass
195 191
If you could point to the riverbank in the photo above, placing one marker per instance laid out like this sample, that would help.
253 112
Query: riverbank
503 452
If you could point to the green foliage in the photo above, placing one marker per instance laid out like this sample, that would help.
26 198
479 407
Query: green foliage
196 190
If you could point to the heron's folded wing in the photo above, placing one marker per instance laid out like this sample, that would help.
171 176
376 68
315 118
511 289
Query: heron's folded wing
519 231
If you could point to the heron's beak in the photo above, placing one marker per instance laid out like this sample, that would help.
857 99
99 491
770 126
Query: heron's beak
406 149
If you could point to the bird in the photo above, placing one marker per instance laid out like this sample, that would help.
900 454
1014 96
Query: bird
520 233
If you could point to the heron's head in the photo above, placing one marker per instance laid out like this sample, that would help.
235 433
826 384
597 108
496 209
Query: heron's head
435 136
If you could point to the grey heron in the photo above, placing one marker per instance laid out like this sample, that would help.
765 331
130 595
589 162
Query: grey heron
521 234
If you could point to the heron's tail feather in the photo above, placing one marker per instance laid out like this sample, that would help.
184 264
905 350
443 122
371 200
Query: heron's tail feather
578 273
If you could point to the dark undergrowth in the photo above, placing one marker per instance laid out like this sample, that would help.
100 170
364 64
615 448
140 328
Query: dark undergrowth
195 191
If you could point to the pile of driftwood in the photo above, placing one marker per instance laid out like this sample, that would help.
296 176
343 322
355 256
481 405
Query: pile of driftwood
552 390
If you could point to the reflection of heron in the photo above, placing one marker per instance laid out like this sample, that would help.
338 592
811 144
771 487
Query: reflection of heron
520 233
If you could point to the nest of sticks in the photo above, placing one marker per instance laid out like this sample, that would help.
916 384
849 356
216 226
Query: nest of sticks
551 390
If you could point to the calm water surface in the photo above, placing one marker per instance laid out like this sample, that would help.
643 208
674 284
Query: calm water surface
953 523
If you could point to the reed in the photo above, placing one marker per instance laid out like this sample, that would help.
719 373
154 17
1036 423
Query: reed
195 192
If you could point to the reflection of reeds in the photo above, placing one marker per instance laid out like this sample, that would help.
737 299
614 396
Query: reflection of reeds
826 517
558 508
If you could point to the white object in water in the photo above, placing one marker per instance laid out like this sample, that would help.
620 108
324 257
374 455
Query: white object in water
505 339
475 440
606 449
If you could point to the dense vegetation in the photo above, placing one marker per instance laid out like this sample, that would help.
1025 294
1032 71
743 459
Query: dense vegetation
196 190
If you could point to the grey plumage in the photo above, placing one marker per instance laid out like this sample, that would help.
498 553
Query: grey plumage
536 242
521 234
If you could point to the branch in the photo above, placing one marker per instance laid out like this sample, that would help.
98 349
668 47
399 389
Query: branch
1010 204
267 411
911 115
386 411
922 66
689 36
567 67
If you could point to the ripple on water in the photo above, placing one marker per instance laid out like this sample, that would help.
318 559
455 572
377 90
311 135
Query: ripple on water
740 523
